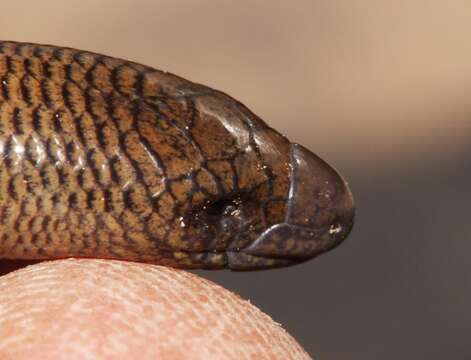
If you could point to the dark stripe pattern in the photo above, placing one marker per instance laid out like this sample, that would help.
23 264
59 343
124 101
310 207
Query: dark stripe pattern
101 157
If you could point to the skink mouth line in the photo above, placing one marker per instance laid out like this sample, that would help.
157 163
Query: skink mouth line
294 258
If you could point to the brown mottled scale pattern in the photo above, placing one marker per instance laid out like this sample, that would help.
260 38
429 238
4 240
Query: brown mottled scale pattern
102 157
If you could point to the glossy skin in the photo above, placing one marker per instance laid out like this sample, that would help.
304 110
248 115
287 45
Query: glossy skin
107 158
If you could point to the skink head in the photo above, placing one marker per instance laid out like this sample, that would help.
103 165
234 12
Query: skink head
284 205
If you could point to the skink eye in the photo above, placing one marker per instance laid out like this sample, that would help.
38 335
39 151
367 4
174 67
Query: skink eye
225 223
221 207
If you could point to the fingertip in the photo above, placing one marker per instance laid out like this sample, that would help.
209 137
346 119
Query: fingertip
79 309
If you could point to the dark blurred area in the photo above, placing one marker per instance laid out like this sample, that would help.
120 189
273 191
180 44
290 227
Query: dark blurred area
380 90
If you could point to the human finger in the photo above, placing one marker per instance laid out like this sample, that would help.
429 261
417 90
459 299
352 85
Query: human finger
103 309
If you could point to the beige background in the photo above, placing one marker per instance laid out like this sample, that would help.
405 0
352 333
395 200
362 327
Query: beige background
381 89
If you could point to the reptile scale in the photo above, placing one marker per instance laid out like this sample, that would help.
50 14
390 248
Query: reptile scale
102 157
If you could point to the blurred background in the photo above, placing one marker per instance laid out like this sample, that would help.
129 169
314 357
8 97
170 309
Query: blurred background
380 89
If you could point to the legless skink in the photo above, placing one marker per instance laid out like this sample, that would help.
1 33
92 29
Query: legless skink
102 157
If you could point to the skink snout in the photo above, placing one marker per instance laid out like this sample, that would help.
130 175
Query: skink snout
319 213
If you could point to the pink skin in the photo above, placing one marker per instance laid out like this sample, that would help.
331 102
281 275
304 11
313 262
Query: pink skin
102 309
